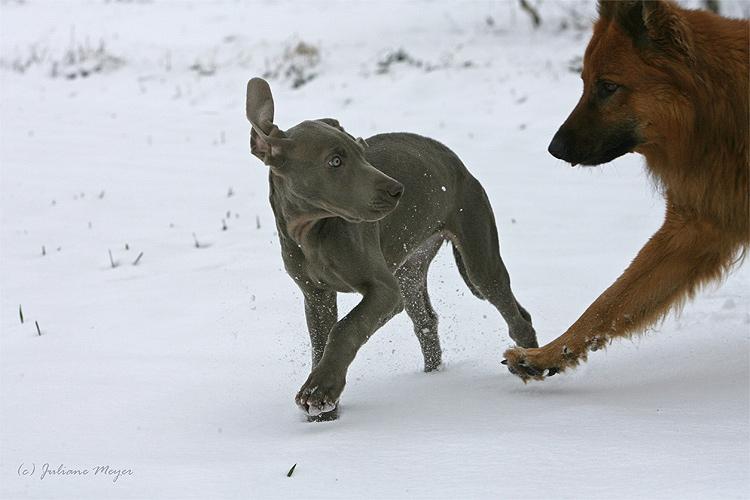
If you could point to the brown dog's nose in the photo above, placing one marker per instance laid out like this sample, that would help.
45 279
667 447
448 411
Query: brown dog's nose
396 189
558 147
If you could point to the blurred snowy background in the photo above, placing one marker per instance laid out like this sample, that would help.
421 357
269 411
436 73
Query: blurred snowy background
161 335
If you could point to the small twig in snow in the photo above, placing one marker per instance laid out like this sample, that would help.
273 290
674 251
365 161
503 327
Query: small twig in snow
291 471
20 313
38 330
138 259
111 260
536 19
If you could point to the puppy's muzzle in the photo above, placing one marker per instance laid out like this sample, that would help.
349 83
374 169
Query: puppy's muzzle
395 190
387 197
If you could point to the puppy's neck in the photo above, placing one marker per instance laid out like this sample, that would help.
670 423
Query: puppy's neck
296 217
299 227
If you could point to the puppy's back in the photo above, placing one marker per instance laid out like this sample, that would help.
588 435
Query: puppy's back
435 185
420 163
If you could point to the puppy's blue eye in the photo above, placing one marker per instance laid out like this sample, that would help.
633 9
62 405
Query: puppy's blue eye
335 162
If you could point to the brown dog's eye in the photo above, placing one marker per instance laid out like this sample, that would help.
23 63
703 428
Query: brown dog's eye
607 88
335 162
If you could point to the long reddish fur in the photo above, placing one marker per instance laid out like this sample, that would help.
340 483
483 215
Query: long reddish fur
696 149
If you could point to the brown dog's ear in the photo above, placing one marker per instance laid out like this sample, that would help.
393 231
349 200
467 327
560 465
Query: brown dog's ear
607 8
652 24
267 142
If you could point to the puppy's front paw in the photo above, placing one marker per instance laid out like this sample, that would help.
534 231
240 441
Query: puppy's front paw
325 417
321 392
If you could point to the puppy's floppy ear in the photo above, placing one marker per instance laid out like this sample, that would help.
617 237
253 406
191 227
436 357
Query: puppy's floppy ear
259 105
652 24
261 148
267 142
335 124
332 122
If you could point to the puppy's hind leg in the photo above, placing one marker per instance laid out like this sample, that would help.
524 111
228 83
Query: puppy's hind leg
412 279
474 235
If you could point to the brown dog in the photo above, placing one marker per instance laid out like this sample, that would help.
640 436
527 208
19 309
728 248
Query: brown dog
672 85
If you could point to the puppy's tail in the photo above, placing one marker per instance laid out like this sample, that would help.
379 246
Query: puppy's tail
462 270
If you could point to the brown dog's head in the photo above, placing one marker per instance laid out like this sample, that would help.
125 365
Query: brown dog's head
636 71
323 168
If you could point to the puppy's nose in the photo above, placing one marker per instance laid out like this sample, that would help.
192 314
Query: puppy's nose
559 146
395 189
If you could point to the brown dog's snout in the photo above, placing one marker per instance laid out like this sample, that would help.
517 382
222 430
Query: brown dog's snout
560 147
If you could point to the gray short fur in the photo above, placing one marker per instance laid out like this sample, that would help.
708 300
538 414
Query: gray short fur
369 217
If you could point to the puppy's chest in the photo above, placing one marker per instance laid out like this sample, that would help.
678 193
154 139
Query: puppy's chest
317 267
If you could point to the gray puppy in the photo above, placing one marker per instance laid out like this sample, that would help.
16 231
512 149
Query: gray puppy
368 217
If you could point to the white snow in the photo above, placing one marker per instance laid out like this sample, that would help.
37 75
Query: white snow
182 369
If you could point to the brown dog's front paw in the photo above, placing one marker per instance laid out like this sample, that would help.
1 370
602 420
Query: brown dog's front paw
529 364
320 394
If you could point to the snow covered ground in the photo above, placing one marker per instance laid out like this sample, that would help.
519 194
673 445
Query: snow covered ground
182 369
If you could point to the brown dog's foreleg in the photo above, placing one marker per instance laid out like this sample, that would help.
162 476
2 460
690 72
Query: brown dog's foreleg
685 253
